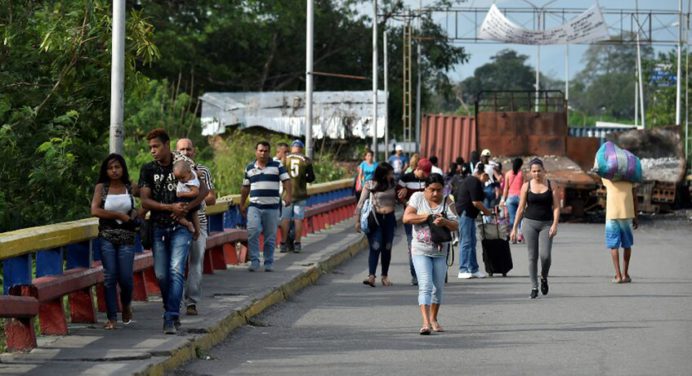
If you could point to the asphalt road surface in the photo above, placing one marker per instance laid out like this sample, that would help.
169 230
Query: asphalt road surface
585 326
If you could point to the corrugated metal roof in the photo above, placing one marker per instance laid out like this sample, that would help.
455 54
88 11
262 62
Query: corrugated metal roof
336 114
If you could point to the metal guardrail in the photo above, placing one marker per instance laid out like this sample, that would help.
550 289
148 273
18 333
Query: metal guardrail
66 255
223 203
29 240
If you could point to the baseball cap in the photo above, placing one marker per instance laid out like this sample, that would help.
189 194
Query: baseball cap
298 143
399 148
425 165
486 152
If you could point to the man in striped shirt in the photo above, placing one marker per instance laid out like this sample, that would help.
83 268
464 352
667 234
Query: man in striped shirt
408 185
261 183
193 284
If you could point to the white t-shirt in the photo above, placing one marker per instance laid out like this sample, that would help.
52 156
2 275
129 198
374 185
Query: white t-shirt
437 170
421 244
185 186
490 170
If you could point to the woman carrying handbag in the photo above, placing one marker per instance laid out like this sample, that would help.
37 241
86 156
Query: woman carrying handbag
381 221
433 218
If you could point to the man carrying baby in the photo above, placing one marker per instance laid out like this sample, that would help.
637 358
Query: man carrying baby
171 240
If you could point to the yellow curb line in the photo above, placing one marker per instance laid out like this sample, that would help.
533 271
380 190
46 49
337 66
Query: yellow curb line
239 318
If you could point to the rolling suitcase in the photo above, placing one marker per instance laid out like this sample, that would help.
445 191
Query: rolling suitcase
496 253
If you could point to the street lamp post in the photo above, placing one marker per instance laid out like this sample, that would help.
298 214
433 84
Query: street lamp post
374 78
309 43
117 132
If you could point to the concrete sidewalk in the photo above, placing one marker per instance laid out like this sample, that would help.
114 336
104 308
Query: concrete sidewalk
231 299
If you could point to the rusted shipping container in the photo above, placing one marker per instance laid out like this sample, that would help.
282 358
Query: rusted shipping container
523 133
447 137
582 150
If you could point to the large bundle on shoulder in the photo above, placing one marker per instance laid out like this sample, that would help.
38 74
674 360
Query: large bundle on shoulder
617 164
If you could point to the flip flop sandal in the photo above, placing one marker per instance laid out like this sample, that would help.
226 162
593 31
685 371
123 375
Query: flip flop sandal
615 280
424 331
369 282
438 328
627 280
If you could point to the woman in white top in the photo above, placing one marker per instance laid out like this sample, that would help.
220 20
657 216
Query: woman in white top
114 205
429 258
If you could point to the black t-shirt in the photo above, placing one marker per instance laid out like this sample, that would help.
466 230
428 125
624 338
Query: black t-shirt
468 191
162 182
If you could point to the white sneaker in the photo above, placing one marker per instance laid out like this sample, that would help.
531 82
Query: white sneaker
479 274
465 275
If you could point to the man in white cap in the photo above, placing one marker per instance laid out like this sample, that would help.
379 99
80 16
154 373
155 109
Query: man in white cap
399 162
492 186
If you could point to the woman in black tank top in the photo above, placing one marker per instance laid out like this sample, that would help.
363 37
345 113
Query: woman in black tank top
539 206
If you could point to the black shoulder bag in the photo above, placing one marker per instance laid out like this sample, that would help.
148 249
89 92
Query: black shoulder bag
439 234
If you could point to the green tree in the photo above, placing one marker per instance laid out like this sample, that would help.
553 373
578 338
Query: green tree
605 86
54 104
259 46
507 70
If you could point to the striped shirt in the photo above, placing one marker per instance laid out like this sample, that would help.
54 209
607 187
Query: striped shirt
206 174
412 184
264 184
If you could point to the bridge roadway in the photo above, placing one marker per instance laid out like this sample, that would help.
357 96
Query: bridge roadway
585 326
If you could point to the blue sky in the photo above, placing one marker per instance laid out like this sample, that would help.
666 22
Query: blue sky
552 57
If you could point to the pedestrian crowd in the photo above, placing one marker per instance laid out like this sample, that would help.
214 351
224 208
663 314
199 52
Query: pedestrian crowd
441 210
174 191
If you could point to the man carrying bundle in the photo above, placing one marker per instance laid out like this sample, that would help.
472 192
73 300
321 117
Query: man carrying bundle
619 170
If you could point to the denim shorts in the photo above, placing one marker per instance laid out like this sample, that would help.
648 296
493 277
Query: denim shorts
294 211
618 233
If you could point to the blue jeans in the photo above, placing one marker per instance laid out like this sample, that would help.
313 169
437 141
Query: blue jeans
262 221
193 284
408 229
171 247
117 263
467 244
512 206
380 240
431 273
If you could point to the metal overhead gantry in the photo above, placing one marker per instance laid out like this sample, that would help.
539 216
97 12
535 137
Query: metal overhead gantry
660 27
625 26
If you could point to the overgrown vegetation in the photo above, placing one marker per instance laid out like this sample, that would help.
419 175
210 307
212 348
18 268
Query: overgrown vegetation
55 86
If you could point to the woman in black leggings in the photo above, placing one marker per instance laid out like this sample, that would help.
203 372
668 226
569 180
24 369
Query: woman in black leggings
539 205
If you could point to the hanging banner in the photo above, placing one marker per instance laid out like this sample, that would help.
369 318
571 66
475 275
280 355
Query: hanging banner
587 27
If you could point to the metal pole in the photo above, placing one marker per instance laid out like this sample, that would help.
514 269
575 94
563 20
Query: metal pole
567 72
309 42
538 65
687 105
641 84
678 95
117 132
386 98
374 78
636 103
418 79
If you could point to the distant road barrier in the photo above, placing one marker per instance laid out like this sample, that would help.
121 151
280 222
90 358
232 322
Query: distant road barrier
67 263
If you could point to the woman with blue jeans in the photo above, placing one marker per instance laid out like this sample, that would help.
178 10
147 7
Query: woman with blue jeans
114 205
430 259
381 191
510 196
